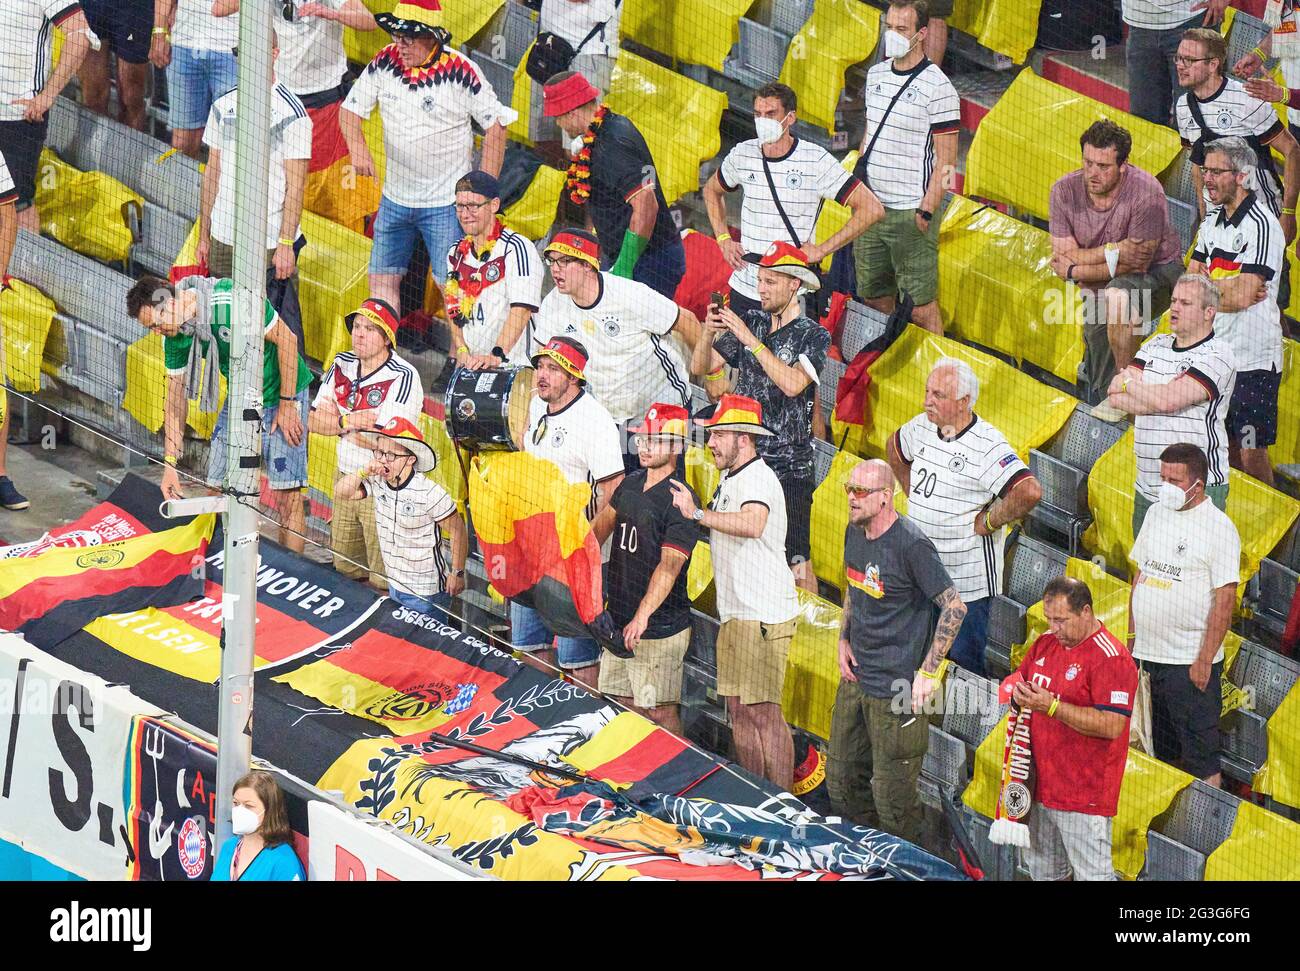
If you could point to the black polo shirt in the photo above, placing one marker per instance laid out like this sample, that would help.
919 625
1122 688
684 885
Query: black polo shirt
620 165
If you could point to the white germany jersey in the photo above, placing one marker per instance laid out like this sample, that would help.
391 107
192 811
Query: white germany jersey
630 362
752 577
1208 362
393 389
803 179
901 161
26 27
198 29
1251 241
581 438
509 276
409 538
952 482
1157 14
1231 111
312 58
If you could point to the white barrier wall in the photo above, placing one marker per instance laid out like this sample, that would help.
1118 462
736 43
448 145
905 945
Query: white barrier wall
344 847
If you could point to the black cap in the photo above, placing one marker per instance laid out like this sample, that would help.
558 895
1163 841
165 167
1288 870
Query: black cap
481 183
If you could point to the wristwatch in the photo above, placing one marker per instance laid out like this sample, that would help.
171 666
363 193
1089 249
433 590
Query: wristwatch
697 515
925 214
499 354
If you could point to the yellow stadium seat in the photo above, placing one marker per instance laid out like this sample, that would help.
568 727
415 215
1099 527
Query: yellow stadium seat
146 384
1009 27
693 31
87 212
997 288
28 316
534 212
678 117
812 674
1031 138
322 463
833 216
1262 515
521 97
463 20
1286 450
451 470
333 279
1280 775
1262 846
839 34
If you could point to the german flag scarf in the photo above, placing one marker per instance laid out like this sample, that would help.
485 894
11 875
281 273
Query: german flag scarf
1016 793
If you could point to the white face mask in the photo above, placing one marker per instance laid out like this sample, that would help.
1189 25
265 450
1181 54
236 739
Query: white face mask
769 130
896 45
1172 497
243 821
575 145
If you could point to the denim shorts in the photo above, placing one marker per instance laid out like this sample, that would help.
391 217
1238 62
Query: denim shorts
196 79
286 465
415 602
528 633
395 231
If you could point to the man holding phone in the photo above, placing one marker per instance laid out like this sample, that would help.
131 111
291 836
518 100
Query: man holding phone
775 354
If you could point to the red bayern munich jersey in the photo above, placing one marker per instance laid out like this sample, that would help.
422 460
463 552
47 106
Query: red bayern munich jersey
1076 772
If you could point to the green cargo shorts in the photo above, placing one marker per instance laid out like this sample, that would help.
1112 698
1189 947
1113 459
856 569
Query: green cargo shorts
893 256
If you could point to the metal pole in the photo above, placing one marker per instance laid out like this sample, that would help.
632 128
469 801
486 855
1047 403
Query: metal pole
244 401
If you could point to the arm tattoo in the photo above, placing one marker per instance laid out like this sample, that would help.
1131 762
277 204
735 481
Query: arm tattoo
847 619
951 614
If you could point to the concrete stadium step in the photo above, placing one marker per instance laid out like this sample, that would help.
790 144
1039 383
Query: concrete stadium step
1103 79
978 92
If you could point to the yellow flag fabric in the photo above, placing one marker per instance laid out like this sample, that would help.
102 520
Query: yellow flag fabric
997 288
981 794
1026 411
322 462
812 674
463 19
332 281
1262 515
1280 775
694 31
534 212
1286 450
26 316
830 515
85 211
1148 789
1262 846
338 194
521 99
839 34
833 216
509 488
1009 27
1031 138
677 116
146 383
450 470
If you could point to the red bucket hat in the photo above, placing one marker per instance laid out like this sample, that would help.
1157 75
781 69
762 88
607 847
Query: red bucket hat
663 419
568 354
563 96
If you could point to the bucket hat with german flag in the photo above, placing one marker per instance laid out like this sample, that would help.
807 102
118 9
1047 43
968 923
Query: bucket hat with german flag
578 244
567 353
377 312
663 420
790 260
736 413
415 18
407 435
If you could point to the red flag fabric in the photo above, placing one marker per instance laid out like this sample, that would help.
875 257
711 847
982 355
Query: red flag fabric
706 272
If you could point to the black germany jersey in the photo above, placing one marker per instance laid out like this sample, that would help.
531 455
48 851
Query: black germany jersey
646 522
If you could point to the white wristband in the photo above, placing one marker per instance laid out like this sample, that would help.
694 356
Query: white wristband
1112 258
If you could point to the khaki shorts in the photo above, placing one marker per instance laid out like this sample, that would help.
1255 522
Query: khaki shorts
653 677
751 660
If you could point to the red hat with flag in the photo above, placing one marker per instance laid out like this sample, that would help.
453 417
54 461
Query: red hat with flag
563 96
567 353
415 17
736 413
579 244
406 434
663 419
377 312
786 258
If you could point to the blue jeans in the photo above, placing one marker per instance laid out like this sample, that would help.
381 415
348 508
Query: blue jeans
286 465
415 602
968 646
662 269
396 228
528 633
196 79
1152 77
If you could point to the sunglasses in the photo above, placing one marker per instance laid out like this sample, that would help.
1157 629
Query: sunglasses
861 492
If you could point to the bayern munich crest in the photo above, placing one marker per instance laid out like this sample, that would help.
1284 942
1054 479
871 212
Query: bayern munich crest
192 847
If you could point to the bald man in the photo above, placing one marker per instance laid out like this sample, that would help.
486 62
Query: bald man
879 732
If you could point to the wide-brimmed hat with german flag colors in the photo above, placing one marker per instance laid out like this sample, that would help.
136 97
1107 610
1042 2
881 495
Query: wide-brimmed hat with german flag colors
664 419
406 434
567 353
377 312
736 413
786 258
414 17
577 243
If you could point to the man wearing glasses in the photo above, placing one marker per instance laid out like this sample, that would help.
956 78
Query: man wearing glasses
494 280
879 731
646 582
411 511
428 95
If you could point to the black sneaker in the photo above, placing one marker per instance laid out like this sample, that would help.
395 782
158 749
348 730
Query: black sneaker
10 497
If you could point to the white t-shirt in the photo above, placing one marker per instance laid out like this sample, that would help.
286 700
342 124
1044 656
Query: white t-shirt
805 177
1157 14
1184 557
427 113
1210 363
951 482
1232 111
573 20
311 48
196 28
1249 242
752 578
511 276
406 520
630 364
902 160
290 139
393 389
25 49
581 438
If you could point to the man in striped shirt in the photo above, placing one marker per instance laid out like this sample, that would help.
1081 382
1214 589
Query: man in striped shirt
1240 246
783 182
909 152
964 484
1178 387
1155 28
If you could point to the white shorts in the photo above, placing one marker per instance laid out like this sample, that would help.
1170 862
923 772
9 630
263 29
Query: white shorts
1061 842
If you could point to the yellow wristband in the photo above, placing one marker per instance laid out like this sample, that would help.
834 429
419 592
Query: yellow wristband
1051 709
717 375
160 30
988 521
462 349
724 238
286 242
170 460
1288 212
757 349
938 673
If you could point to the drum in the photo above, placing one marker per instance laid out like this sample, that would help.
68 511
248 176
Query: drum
488 409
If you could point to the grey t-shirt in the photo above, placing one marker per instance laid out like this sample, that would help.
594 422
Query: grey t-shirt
893 580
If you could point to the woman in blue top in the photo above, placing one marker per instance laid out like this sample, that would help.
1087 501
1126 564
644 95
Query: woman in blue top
264 848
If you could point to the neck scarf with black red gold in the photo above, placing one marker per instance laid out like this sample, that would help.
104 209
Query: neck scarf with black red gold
465 285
